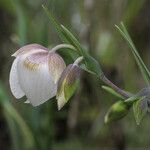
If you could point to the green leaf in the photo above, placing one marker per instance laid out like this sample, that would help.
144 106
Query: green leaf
55 24
91 64
66 36
140 108
72 40
145 72
110 90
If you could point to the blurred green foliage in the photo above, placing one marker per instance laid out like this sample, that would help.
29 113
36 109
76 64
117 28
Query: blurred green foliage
80 124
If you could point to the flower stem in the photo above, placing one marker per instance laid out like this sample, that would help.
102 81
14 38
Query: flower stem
116 88
78 60
60 46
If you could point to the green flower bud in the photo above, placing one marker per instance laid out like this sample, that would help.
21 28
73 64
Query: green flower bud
117 111
67 84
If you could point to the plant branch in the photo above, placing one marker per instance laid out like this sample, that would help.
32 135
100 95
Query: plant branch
116 88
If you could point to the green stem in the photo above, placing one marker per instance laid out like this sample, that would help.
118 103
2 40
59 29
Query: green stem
113 86
60 46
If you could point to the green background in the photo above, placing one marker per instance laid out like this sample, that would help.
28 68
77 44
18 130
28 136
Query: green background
80 124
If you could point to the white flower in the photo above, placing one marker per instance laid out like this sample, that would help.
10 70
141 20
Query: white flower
35 73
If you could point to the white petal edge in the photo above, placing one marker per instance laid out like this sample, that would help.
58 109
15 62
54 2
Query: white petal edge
29 49
14 82
27 102
37 84
61 100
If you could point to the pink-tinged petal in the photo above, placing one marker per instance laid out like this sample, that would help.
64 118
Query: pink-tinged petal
35 79
14 82
56 65
67 84
30 48
35 59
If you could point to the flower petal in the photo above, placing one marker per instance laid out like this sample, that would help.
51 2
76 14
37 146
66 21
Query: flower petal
14 82
67 84
35 78
56 65
30 48
61 101
27 102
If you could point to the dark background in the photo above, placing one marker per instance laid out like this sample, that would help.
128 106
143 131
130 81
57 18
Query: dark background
79 125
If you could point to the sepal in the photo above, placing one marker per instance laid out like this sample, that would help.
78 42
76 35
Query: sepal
67 84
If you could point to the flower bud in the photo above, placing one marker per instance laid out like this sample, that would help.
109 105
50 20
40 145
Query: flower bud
117 111
67 84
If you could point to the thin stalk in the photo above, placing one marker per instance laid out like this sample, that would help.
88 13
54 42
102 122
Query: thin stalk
60 46
78 60
113 86
118 90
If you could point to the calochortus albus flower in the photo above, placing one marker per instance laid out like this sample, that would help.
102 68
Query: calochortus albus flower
68 82
35 73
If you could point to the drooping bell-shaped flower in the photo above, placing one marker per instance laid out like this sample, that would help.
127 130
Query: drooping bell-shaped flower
35 73
68 82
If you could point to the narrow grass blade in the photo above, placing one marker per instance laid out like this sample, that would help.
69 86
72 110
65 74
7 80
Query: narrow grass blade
13 114
56 24
72 40
21 21
145 72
